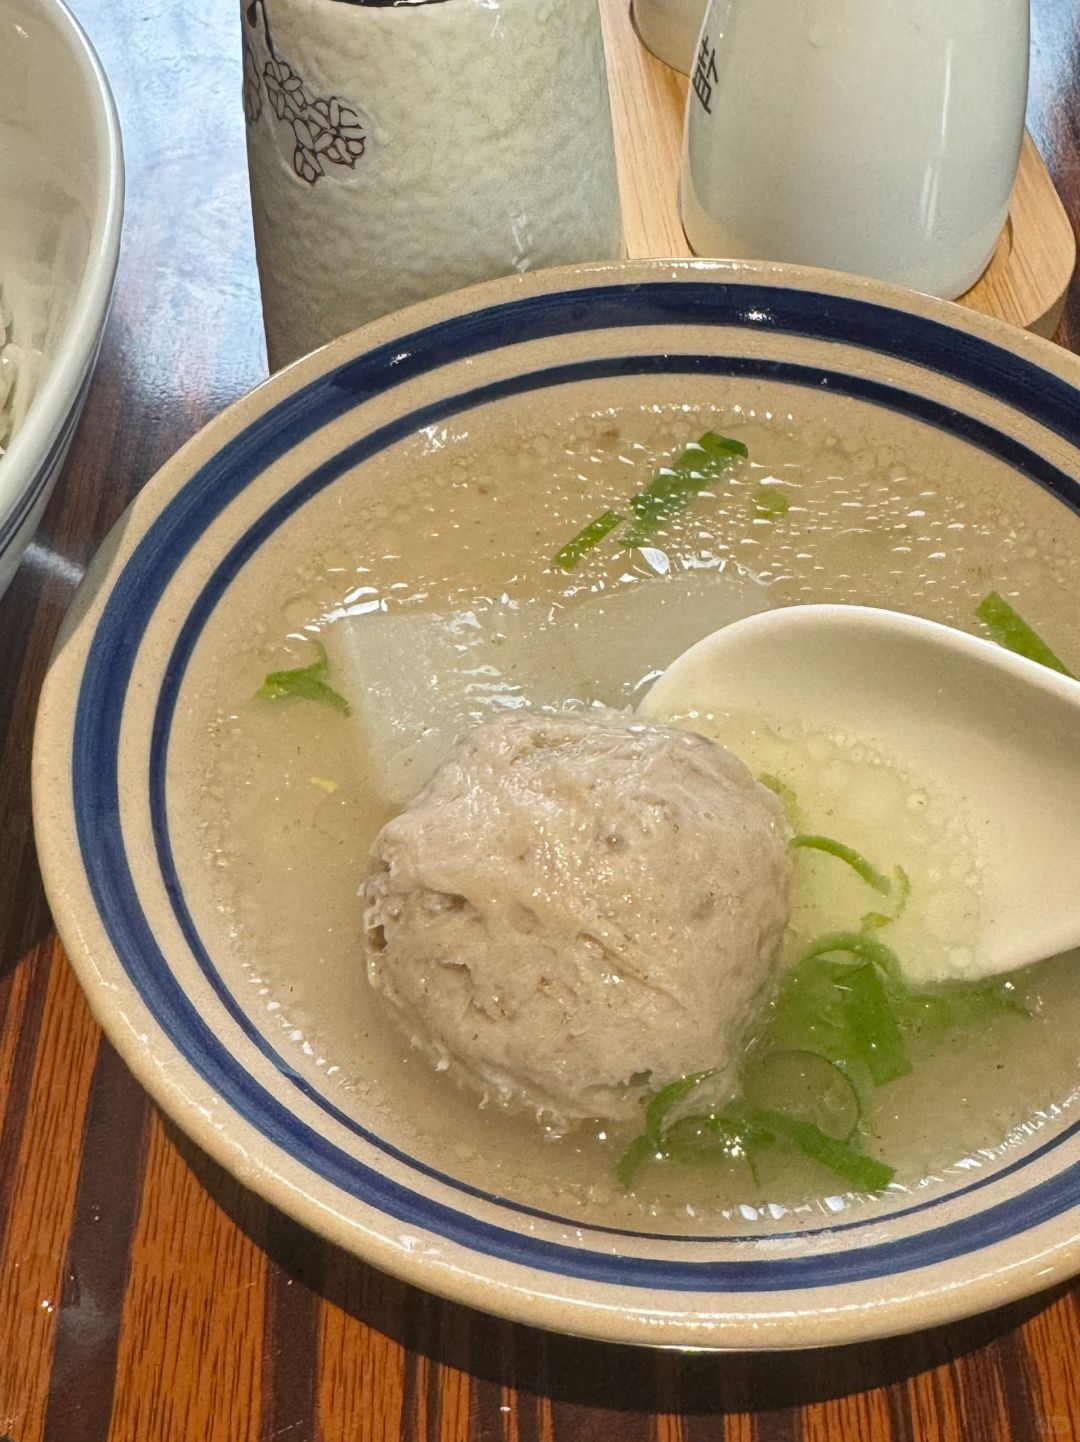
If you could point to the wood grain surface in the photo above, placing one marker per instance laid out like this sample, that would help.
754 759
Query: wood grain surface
144 1295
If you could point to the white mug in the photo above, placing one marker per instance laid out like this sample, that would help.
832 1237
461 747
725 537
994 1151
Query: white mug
880 137
670 29
396 151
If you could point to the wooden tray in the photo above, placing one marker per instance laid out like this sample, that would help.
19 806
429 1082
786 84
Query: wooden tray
1025 282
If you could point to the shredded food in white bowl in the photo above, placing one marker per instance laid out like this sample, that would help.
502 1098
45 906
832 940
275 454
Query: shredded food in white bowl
18 378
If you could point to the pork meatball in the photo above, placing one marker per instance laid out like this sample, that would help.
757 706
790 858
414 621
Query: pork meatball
578 909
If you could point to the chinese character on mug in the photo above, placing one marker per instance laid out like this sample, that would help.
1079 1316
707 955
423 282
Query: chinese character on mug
705 73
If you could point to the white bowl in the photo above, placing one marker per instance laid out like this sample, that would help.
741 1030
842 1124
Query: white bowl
116 814
61 204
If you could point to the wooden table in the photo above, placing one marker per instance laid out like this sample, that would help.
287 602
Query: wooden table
144 1295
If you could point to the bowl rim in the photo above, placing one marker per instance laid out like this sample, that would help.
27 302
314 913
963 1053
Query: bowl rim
54 409
58 702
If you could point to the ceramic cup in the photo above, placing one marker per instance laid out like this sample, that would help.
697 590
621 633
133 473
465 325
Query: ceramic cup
858 135
670 29
398 151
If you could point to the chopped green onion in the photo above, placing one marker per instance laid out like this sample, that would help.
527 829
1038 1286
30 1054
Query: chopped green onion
702 1137
696 1138
692 1140
873 1024
861 1171
669 491
857 944
808 1085
902 889
651 1141
951 1004
1009 629
676 486
859 864
810 1016
769 505
307 683
638 1152
839 1026
785 795
589 536
850 1024
668 1097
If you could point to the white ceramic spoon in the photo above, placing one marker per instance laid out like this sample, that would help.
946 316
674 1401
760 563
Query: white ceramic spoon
998 732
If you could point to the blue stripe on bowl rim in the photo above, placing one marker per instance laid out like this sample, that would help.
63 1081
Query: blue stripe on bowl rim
109 664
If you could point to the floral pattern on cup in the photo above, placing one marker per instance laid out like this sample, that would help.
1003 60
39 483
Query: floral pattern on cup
327 131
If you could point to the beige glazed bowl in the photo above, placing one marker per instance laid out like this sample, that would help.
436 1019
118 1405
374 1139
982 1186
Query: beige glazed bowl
111 795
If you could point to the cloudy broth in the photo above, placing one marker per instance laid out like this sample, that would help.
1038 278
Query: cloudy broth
432 588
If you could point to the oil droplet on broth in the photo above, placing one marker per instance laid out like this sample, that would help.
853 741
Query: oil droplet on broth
434 594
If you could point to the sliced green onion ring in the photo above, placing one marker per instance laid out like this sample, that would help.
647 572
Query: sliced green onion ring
807 1085
856 943
667 1098
858 863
